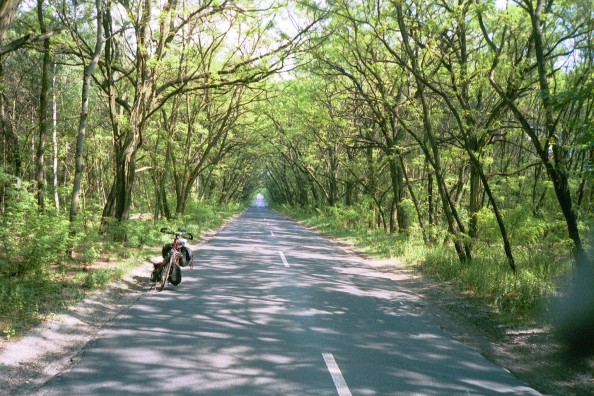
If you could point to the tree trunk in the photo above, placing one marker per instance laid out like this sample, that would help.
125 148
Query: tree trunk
82 124
126 173
333 177
128 138
557 172
7 11
475 201
430 199
12 144
413 197
476 165
449 208
160 180
11 147
43 110
397 217
55 139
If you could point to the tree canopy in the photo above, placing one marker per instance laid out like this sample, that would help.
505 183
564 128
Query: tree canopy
467 123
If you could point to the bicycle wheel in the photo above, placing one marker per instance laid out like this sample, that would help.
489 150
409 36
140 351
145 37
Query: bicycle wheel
165 275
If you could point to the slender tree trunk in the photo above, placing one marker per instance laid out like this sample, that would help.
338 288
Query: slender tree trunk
430 199
398 222
503 231
43 110
349 187
82 125
333 177
413 197
455 226
55 139
161 205
11 147
475 201
110 202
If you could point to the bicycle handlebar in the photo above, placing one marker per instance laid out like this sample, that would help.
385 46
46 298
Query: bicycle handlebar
178 233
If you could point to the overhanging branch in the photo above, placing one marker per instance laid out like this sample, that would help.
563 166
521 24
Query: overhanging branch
28 39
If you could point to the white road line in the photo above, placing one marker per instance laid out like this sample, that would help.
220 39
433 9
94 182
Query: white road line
285 263
271 233
339 382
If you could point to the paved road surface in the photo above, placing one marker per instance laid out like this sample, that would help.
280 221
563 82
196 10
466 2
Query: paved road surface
273 309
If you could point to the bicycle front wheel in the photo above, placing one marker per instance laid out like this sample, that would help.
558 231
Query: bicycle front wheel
165 275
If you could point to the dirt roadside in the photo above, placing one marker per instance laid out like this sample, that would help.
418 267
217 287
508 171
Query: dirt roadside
531 354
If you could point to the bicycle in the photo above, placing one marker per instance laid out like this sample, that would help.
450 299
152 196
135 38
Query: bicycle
174 256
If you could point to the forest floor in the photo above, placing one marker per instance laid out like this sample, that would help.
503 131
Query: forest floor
531 354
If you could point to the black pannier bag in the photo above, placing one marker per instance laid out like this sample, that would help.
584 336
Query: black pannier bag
165 251
175 276
186 254
156 274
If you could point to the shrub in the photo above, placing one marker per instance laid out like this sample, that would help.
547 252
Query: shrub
99 278
31 240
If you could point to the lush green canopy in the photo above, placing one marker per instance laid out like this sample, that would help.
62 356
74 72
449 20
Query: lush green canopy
466 123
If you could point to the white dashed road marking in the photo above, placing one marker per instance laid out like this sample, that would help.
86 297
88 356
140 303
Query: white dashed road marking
285 263
339 382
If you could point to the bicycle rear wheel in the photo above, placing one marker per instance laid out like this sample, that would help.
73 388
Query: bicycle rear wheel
165 275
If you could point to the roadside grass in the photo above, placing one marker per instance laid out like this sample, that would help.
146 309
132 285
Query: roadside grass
522 298
48 269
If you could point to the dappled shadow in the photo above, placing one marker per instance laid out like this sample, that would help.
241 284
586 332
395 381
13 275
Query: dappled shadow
243 323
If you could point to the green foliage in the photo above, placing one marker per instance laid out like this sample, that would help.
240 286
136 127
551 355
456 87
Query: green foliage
141 233
517 296
31 240
88 255
201 215
23 302
99 278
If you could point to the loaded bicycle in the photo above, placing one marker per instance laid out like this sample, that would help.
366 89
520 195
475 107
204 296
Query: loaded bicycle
175 255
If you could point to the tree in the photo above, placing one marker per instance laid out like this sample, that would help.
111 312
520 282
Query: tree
43 109
161 71
10 140
543 47
84 113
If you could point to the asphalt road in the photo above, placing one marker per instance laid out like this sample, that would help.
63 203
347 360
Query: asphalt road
273 309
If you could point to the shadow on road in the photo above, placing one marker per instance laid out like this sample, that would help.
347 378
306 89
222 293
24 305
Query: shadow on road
243 323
